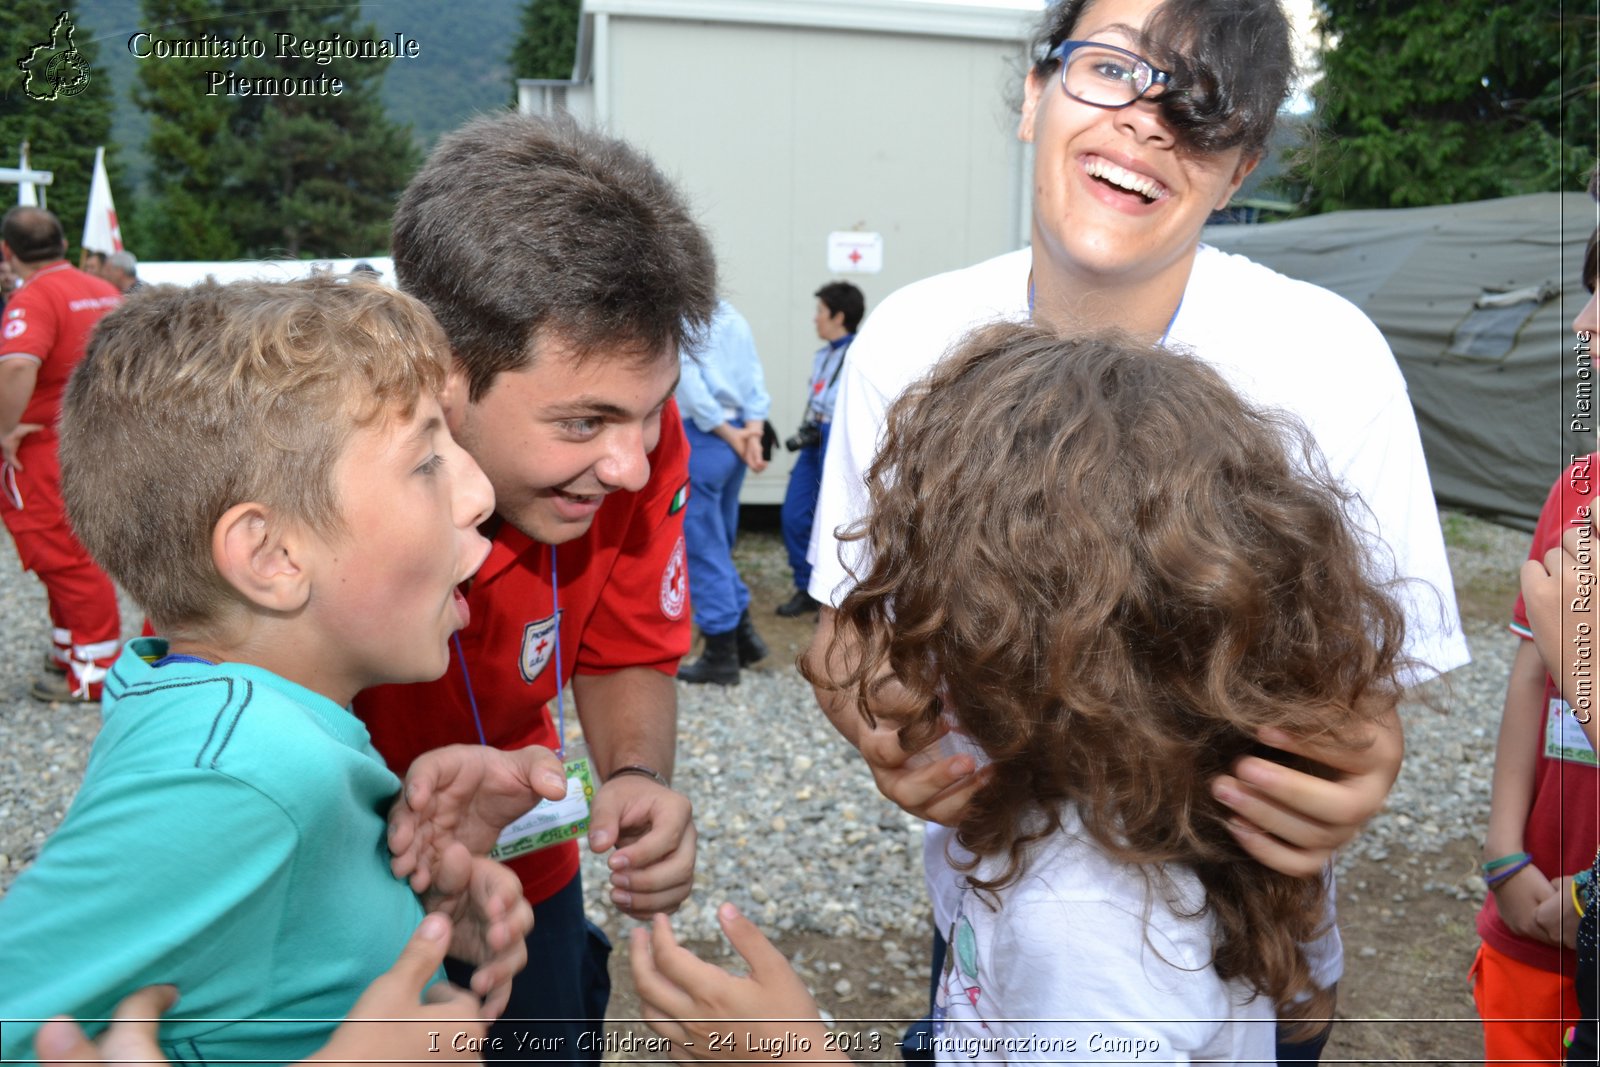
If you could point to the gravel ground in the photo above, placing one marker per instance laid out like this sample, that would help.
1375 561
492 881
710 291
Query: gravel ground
791 828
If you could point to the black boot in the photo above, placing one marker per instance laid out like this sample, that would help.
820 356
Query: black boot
719 663
802 603
751 648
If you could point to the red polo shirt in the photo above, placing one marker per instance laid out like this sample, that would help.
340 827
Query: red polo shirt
623 590
49 319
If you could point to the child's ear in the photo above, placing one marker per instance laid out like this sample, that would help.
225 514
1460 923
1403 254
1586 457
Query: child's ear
260 558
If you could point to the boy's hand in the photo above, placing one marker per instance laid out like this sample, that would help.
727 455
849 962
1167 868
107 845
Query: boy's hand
491 921
685 999
1292 821
371 1033
652 829
455 802
1520 899
131 1037
1555 915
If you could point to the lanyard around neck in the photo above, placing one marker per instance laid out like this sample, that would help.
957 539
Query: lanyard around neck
561 711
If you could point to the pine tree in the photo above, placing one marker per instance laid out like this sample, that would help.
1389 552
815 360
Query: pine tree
314 174
1442 101
548 40
240 172
183 215
62 134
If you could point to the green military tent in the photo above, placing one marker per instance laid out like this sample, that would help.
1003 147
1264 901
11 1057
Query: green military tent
1477 301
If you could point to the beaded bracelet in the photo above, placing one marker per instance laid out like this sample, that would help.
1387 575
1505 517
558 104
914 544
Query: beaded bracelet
1500 876
1505 861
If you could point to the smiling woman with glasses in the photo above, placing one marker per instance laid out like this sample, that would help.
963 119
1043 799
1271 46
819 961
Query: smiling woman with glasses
1145 116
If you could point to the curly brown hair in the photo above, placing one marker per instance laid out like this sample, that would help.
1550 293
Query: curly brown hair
1113 572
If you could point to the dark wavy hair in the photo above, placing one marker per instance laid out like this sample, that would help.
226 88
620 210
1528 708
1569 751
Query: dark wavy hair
518 225
1107 568
1231 63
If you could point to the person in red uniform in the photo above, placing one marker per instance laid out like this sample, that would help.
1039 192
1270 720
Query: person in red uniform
43 332
567 272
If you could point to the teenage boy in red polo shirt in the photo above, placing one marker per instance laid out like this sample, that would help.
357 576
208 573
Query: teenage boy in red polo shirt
567 273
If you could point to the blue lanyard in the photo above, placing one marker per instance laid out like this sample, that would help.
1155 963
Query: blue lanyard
561 711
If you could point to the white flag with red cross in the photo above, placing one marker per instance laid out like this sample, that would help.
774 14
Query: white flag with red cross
100 230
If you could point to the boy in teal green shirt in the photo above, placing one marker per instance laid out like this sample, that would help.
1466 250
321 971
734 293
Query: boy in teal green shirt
266 469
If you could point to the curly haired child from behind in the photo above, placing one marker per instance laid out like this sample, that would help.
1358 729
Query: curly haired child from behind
1095 563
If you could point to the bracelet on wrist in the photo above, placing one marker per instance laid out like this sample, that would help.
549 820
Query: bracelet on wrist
1505 874
1511 860
1577 898
640 769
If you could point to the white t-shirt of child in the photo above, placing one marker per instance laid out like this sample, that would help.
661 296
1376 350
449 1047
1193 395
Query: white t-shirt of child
1282 343
1084 961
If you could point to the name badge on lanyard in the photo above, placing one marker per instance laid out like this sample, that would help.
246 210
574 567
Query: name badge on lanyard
551 822
548 822
1564 738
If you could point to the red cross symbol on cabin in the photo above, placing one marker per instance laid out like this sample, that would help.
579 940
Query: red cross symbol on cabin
855 255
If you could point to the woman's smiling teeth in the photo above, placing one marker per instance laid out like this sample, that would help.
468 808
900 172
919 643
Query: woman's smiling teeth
1122 178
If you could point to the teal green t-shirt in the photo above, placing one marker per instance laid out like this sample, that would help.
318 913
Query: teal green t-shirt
229 839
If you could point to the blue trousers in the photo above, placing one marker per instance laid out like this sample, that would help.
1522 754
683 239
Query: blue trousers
717 595
558 1003
800 507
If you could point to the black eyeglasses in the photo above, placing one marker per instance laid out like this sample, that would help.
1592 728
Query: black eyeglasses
1103 75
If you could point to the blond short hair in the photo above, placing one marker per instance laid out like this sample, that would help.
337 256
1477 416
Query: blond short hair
190 401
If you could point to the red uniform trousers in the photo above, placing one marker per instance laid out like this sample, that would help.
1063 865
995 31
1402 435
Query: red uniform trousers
86 627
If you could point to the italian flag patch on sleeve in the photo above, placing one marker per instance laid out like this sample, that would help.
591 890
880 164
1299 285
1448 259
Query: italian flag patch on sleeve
679 499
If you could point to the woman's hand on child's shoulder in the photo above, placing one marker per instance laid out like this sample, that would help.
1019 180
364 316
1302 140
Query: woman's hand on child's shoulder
1292 821
687 1000
368 1034
926 784
131 1037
